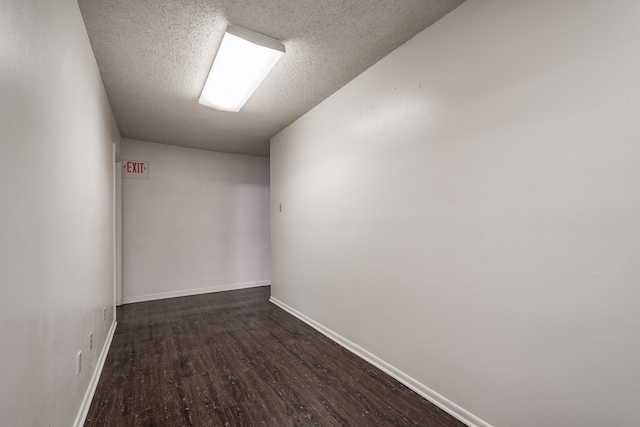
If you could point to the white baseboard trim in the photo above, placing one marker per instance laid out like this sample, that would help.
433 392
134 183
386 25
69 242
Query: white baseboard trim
437 399
197 291
88 396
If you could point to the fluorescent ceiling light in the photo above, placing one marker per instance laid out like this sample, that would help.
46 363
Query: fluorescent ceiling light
243 61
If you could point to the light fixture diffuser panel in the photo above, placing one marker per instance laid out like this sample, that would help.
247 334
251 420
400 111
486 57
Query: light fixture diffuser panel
242 62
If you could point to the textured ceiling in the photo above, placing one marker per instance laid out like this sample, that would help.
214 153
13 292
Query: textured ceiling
154 57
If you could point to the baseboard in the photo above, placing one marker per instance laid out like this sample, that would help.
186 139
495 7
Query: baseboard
197 291
88 396
437 399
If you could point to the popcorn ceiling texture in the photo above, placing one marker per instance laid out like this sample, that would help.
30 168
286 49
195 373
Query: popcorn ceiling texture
154 57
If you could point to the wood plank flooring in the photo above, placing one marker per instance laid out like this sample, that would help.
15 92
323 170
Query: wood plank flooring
234 359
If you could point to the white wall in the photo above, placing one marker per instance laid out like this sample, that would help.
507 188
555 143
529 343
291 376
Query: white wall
200 223
56 212
468 210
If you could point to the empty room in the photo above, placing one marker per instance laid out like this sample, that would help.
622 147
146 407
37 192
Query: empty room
319 213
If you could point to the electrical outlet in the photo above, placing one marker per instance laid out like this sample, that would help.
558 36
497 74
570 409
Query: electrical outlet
79 362
90 341
104 314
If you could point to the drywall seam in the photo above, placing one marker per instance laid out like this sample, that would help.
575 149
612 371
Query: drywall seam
437 399
88 396
198 291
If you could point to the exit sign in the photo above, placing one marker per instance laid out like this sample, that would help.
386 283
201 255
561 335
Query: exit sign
135 169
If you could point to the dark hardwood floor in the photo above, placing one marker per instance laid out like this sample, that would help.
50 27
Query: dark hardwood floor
234 359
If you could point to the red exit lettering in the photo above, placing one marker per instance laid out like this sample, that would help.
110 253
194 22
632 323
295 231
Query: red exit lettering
134 167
